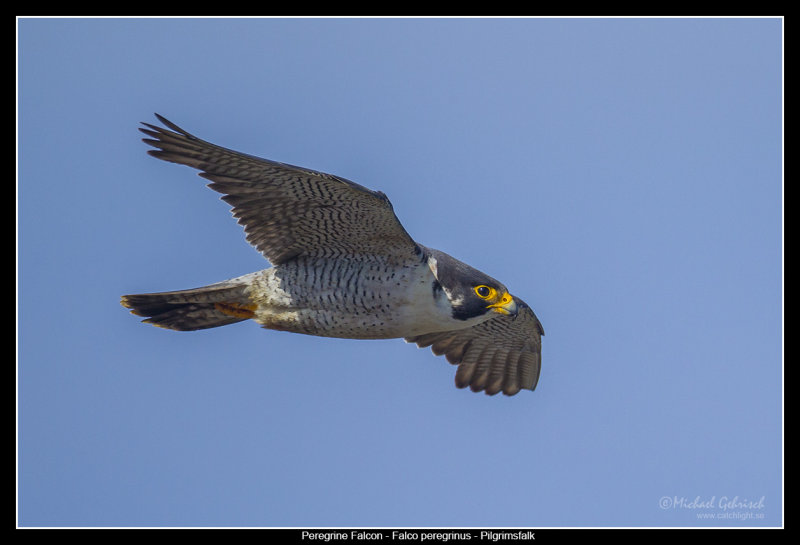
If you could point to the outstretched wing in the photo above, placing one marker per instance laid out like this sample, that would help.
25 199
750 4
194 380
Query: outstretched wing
286 210
501 354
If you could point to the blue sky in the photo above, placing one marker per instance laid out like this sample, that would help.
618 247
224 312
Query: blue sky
623 176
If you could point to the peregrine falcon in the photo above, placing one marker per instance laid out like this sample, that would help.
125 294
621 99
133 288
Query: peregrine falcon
343 266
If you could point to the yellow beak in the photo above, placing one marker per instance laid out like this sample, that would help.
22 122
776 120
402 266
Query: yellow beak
505 305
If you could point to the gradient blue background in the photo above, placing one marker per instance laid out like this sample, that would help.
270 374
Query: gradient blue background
622 176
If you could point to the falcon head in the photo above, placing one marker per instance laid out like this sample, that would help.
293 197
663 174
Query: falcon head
472 295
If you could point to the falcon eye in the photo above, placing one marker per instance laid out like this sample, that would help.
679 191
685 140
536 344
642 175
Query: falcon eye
485 292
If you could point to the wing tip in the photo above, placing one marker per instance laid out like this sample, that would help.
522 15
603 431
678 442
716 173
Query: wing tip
161 130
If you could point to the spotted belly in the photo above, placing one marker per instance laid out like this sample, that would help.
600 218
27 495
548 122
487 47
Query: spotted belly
348 298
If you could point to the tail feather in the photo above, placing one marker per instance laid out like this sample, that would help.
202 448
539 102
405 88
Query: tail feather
199 308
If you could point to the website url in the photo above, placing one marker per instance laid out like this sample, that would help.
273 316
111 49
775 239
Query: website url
728 515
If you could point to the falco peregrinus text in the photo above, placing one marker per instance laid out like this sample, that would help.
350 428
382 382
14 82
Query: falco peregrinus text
344 266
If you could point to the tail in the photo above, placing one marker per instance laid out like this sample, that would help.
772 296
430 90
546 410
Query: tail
200 308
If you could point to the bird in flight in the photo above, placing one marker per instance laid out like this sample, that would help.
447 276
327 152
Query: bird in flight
343 266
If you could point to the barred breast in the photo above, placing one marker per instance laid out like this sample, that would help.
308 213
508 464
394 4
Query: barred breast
348 298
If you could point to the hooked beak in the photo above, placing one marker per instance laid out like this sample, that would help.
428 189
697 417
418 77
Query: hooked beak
505 305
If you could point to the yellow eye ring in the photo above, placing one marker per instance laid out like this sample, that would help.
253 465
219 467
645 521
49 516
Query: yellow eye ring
485 292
